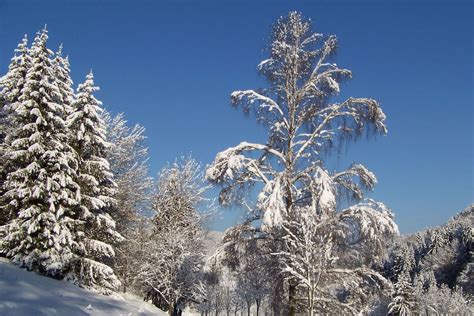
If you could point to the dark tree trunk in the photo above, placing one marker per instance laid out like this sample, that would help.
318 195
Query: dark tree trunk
292 299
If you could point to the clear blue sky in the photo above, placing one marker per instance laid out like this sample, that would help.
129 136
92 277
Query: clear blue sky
171 65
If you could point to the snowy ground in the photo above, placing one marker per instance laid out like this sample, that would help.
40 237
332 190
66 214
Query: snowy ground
27 293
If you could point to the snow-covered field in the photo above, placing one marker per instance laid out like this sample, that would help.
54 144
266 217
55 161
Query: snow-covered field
27 293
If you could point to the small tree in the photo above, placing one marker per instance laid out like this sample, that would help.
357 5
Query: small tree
171 268
403 301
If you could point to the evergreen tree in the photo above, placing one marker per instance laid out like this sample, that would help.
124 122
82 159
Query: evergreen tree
88 138
437 240
10 87
63 77
403 261
403 297
41 189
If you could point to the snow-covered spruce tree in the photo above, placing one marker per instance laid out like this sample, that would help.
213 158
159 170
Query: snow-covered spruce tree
10 90
128 157
303 126
403 302
402 259
97 234
41 190
63 76
171 268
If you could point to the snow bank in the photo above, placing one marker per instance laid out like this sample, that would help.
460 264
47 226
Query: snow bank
27 293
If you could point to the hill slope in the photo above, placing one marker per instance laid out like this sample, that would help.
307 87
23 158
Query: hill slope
27 293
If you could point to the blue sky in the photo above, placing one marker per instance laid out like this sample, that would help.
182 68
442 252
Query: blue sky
171 66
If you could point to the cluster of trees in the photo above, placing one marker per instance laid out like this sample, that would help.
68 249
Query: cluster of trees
57 185
432 270
77 202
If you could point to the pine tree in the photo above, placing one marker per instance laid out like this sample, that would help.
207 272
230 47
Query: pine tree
403 260
88 138
10 88
437 240
403 301
63 75
41 190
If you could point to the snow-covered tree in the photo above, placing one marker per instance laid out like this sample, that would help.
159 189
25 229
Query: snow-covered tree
437 241
323 261
441 300
98 233
403 302
216 295
10 90
128 157
304 125
41 189
254 276
170 271
63 76
402 259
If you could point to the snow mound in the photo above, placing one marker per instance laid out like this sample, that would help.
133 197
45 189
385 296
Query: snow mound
27 293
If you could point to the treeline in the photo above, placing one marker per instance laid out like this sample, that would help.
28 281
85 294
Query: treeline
429 273
77 202
432 270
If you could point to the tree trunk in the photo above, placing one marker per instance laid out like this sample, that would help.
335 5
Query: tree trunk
310 302
292 298
258 305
